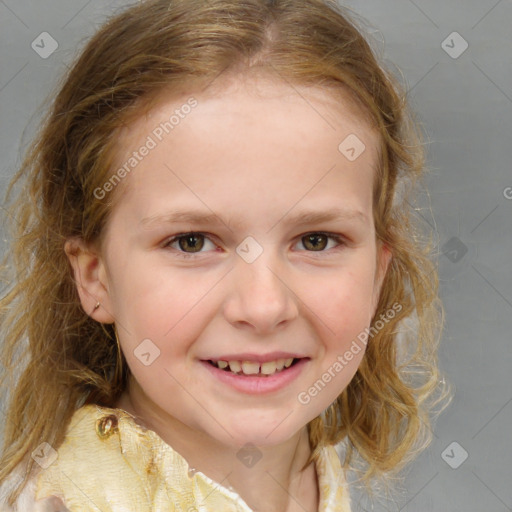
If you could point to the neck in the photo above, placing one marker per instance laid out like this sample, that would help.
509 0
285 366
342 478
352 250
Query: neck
275 483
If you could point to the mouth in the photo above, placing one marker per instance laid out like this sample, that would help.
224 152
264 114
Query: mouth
253 377
255 368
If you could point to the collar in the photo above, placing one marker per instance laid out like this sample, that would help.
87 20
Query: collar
104 447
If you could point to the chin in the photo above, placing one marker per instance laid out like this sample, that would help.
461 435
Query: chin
262 433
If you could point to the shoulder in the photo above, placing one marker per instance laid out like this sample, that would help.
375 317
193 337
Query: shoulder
90 462
89 449
26 501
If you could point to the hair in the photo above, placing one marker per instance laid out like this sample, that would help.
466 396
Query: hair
56 358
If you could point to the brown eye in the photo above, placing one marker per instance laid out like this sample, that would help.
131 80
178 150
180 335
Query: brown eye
188 245
315 241
323 243
194 241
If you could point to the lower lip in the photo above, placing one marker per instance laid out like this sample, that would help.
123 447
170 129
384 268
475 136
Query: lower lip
254 384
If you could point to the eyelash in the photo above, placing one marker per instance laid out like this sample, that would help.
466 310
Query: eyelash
186 255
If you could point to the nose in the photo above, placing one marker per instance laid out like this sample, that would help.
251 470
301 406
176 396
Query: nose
261 297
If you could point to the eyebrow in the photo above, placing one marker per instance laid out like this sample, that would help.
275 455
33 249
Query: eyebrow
300 218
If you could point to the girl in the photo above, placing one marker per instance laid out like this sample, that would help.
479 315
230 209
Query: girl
214 266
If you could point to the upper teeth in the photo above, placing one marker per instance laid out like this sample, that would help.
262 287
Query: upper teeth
253 368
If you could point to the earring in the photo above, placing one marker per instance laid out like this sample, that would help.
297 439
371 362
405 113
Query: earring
96 307
119 360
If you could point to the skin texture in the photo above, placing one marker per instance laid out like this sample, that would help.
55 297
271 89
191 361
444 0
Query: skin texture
254 154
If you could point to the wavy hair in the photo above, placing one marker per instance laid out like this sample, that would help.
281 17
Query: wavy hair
56 358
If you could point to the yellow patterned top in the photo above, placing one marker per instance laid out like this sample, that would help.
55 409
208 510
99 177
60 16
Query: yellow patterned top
110 463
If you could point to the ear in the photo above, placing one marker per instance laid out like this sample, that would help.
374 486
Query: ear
90 279
383 261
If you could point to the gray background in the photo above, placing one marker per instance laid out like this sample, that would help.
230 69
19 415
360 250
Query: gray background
465 104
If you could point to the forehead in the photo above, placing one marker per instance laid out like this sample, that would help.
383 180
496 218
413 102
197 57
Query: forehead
257 131
245 94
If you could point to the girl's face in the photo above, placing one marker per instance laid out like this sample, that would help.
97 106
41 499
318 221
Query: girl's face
274 191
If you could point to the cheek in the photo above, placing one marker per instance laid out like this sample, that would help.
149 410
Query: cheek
341 314
149 292
341 309
162 313
342 303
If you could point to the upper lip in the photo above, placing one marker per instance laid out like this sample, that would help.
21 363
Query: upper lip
258 358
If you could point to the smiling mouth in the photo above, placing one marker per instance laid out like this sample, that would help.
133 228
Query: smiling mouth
253 368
